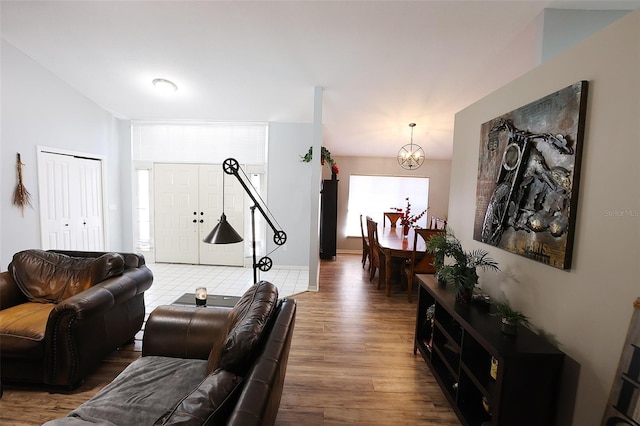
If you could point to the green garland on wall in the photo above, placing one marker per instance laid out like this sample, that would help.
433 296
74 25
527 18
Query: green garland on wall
325 157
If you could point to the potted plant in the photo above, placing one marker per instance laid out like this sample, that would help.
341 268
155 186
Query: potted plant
460 276
325 156
510 318
439 245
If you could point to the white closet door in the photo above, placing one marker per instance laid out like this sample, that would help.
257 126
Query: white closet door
176 213
70 193
211 178
55 199
90 230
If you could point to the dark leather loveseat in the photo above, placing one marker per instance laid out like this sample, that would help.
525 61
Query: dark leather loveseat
62 312
202 366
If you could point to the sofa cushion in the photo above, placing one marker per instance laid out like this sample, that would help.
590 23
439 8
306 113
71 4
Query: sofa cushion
22 329
48 277
209 403
140 394
247 321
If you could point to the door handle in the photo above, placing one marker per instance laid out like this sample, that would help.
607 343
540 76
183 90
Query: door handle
195 221
195 213
201 221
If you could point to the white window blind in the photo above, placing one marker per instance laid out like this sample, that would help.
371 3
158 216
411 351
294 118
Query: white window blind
374 195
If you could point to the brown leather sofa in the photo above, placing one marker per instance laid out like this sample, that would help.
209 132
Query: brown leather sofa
62 312
202 366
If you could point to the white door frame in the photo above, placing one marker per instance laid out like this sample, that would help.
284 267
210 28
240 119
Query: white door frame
41 176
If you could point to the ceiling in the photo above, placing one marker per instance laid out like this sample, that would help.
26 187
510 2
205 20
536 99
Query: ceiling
381 64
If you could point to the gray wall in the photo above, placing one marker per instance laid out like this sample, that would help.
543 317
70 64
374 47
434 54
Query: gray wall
585 310
288 191
560 29
40 109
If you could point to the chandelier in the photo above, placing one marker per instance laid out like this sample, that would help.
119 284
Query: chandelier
411 156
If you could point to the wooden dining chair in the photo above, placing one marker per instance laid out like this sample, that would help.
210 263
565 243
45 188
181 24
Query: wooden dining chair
375 258
393 218
419 263
365 246
437 223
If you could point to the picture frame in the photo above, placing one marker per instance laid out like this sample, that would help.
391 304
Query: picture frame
528 177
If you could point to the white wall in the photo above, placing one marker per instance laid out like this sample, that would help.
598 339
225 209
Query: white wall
585 310
40 109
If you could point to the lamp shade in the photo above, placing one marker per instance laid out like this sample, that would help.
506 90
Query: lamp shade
223 233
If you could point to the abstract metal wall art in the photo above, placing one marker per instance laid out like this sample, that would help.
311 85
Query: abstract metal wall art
528 174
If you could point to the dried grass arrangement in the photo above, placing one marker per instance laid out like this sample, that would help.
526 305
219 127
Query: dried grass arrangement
21 197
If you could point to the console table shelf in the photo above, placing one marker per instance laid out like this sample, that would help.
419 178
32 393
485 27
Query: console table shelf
488 377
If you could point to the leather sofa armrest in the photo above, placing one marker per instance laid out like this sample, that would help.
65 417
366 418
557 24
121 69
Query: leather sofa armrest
10 293
184 331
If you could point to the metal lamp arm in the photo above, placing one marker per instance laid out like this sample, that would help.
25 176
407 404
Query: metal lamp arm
232 167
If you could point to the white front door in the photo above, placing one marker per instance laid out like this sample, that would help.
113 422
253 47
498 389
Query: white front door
188 205
211 203
176 213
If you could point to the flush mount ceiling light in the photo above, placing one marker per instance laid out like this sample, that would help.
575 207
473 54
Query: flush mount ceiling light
165 86
411 156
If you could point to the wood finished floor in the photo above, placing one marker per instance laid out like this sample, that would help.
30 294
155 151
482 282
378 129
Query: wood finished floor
351 362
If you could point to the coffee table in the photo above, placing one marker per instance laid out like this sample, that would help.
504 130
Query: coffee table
212 300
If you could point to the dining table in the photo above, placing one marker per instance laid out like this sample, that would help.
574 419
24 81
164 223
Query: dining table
395 245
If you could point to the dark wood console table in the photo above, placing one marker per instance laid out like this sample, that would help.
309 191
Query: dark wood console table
488 377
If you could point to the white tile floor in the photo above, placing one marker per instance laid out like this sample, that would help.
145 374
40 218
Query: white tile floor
170 281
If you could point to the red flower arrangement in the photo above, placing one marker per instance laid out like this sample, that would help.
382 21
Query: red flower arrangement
334 169
406 219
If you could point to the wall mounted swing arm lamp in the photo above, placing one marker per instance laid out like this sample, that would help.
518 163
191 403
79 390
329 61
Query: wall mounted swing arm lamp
223 232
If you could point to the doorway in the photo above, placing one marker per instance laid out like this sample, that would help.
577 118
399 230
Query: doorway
188 201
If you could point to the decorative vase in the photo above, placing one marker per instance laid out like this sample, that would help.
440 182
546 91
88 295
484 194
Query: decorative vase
405 230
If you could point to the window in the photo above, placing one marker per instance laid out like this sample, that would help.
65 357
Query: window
255 180
142 230
374 195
